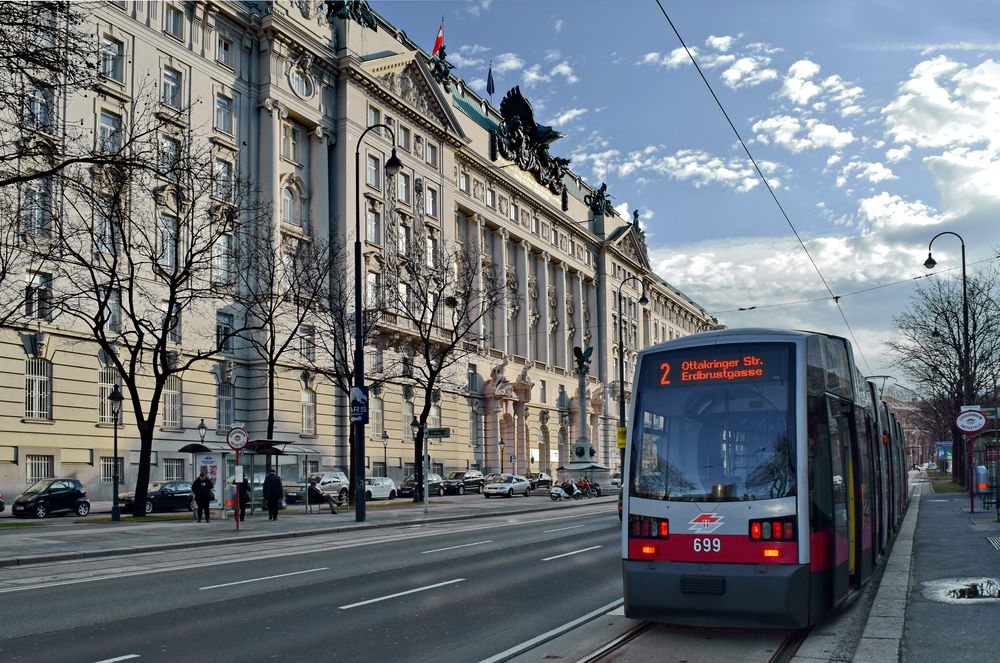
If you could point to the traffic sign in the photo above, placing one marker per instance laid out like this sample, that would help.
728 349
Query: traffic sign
237 438
359 405
439 432
971 421
621 437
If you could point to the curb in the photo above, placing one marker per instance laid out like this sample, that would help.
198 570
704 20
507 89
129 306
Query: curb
202 543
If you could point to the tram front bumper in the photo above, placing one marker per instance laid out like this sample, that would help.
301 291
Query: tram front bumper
717 595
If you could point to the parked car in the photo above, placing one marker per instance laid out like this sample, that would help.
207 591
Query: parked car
469 481
931 466
509 485
1 503
539 480
616 480
163 496
334 481
434 486
380 488
52 496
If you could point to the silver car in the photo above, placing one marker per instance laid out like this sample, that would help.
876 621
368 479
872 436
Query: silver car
509 485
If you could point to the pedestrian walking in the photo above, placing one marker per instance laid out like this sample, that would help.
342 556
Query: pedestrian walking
316 496
272 493
244 488
202 489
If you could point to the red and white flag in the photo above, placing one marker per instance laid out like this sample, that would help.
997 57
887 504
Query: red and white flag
439 42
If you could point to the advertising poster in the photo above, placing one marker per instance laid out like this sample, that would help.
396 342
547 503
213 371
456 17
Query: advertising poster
212 464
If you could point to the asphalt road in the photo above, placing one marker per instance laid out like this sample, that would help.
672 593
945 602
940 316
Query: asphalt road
459 591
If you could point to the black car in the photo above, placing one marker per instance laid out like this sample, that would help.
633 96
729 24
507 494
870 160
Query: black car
1 503
434 486
52 496
163 496
539 480
469 481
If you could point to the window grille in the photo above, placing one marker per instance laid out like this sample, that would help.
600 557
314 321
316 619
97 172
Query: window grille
39 467
225 405
107 377
173 469
108 470
308 412
172 402
38 388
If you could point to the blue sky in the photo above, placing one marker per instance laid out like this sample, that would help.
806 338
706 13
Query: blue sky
877 123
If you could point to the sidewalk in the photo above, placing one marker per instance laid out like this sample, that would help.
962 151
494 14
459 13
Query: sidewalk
68 538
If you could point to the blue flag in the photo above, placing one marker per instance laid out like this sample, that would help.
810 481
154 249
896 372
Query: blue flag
490 87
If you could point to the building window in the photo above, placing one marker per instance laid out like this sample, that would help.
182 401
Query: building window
224 331
223 179
109 132
403 187
403 136
108 469
168 241
112 59
36 214
377 426
407 420
224 114
403 240
491 198
434 417
374 226
113 306
225 405
307 343
373 290
463 182
39 467
300 83
173 469
173 402
107 377
173 322
374 117
224 52
432 154
38 296
514 213
292 207
379 469
173 23
308 412
290 142
222 259
170 154
373 175
172 88
37 388
38 107
432 202
432 251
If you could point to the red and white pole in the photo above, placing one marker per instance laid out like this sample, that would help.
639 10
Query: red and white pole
236 508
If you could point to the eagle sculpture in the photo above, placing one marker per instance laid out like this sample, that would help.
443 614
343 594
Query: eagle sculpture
516 110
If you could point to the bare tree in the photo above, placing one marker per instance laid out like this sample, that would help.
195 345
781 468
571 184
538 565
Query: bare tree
929 348
439 296
284 280
146 249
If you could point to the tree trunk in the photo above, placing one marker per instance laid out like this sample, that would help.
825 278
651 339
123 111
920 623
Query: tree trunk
142 478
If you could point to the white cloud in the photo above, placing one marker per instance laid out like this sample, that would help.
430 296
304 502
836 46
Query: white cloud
748 72
720 43
897 153
601 162
534 75
567 116
672 60
565 70
558 25
460 60
864 170
694 166
798 86
506 62
888 212
797 136
478 6
848 97
969 180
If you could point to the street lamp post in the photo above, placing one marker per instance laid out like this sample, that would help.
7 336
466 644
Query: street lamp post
621 357
392 166
385 453
115 398
502 445
965 365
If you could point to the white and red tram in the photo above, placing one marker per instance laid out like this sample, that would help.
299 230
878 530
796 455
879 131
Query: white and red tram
764 480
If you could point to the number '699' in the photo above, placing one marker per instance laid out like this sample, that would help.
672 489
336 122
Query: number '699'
707 544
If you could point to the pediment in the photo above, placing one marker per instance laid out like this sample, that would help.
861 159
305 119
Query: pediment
633 247
406 76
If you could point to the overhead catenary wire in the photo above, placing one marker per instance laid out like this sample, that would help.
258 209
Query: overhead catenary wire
763 179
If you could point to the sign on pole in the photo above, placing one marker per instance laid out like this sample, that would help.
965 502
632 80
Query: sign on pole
971 421
359 405
621 437
237 438
439 432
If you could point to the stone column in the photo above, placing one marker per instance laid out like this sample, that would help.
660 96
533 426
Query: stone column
272 113
524 265
319 193
505 322
520 438
479 252
580 304
544 309
563 294
491 445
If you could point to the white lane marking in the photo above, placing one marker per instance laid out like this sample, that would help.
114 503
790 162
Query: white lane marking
120 658
409 591
407 532
283 575
559 529
575 552
464 545
554 633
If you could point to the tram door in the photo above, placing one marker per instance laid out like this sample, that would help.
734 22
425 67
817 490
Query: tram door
842 465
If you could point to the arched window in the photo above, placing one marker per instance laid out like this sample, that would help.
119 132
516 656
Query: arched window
225 405
173 394
289 206
308 411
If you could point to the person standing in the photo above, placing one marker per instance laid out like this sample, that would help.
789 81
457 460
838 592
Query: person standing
202 489
244 489
272 493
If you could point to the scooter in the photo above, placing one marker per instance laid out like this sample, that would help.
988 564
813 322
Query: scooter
565 491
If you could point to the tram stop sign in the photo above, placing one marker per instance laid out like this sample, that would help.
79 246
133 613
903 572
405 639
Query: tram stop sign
971 421
237 438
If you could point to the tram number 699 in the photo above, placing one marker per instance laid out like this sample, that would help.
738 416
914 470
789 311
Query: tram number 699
707 544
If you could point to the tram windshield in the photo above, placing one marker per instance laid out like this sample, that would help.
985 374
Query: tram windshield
717 424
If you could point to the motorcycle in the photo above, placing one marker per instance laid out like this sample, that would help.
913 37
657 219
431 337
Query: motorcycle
589 488
565 491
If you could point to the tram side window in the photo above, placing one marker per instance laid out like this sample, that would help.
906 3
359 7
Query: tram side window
820 474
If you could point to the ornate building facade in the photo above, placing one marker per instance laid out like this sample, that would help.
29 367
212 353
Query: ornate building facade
287 88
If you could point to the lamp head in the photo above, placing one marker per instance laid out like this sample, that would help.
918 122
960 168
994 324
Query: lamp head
393 165
116 398
385 439
415 425
643 300
930 263
202 429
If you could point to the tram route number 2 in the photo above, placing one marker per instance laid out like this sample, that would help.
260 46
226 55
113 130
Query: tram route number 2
707 544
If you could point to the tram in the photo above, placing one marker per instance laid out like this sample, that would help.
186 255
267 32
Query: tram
764 480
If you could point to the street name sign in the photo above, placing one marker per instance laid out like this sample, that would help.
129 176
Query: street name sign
439 432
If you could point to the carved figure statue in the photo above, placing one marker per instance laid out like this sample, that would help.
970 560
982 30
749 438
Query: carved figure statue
353 10
599 201
441 69
525 142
